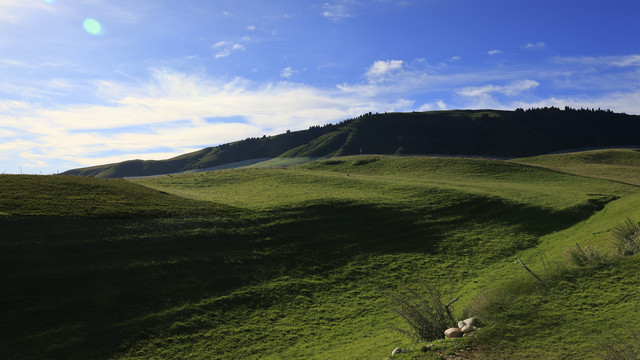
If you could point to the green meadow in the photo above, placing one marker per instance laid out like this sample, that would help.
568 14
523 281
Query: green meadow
296 262
615 165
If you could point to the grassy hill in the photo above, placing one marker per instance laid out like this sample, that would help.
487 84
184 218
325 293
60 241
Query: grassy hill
292 263
616 165
66 196
457 132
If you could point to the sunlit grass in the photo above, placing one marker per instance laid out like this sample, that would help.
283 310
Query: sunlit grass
617 165
289 263
383 180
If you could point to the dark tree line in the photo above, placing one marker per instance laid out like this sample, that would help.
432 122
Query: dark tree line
554 109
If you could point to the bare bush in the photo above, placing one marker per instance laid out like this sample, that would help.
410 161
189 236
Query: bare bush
425 314
627 237
587 256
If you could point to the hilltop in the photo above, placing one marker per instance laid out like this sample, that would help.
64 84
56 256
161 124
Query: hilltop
488 133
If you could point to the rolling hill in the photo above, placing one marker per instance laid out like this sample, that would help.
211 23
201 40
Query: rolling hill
488 133
294 262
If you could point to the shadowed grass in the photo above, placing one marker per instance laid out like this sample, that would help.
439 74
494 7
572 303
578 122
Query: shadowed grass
283 264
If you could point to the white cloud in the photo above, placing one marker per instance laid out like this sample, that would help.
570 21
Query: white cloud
14 11
425 107
251 27
37 89
487 96
494 52
225 48
614 61
455 58
222 53
288 72
7 133
626 102
381 69
620 102
394 77
337 10
438 105
16 63
535 46
176 110
34 65
511 89
179 110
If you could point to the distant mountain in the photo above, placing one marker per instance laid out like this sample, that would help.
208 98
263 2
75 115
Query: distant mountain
490 133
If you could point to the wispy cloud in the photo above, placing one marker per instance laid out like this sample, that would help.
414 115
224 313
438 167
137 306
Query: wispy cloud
494 96
15 11
16 63
380 70
337 10
225 48
186 111
288 72
33 65
615 61
438 105
494 52
174 109
623 102
511 89
38 89
535 46
390 78
7 133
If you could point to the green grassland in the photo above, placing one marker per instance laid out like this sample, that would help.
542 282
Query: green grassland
292 262
616 165
75 196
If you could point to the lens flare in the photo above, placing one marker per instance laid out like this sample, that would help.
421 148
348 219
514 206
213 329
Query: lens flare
92 26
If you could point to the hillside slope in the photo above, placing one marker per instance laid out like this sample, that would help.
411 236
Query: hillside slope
33 195
617 165
290 263
458 132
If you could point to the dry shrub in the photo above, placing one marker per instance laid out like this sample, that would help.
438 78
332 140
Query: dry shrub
627 237
425 314
587 256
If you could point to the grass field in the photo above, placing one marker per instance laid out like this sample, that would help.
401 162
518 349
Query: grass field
617 165
293 262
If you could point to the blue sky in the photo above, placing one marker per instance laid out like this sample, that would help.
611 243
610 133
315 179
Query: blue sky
97 81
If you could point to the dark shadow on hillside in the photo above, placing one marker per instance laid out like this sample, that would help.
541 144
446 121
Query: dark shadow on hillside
78 288
533 220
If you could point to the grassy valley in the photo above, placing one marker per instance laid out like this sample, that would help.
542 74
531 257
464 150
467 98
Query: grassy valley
294 262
